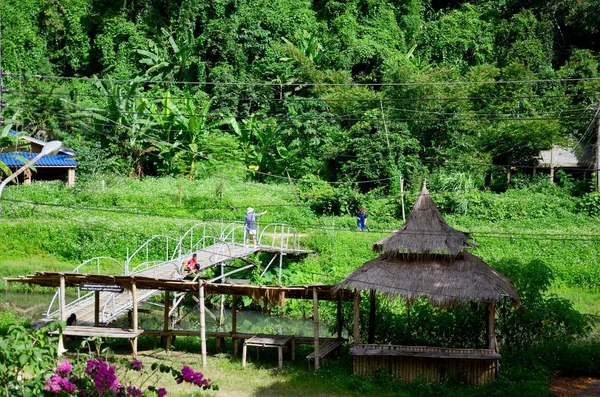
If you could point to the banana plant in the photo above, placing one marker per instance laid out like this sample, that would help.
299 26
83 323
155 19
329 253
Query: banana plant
193 127
172 59
261 145
123 121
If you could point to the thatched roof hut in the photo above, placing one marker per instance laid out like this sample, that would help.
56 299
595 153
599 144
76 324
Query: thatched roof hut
442 280
425 258
425 231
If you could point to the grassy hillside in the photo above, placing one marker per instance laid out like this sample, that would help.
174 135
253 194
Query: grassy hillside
47 226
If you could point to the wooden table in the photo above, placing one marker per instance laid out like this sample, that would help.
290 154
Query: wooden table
278 341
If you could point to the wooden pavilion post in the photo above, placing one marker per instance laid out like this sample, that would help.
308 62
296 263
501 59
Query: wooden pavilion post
62 314
316 326
372 310
338 320
356 313
491 326
166 339
96 308
234 325
135 317
202 324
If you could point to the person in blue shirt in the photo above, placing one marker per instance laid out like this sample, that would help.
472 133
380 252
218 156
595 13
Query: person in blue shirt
361 219
250 224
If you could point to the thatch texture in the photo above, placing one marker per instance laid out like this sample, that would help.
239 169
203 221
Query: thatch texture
442 279
424 232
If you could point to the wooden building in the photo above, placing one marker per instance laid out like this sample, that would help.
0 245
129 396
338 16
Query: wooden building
61 166
425 258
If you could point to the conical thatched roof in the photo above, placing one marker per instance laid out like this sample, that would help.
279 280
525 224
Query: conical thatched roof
442 279
424 232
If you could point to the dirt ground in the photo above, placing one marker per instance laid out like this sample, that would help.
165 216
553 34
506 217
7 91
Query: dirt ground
582 386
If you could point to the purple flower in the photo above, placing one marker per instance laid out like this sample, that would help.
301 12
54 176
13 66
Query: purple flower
132 391
67 385
137 365
188 375
161 392
64 369
56 384
103 375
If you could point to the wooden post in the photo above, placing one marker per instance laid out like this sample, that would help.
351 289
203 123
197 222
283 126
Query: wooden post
70 177
135 317
598 151
339 320
62 314
166 338
280 265
552 163
202 325
280 357
244 352
356 313
234 325
316 326
402 199
372 310
96 308
387 139
491 327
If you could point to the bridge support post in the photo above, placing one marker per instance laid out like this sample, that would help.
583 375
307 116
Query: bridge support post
281 254
234 325
202 324
166 339
96 308
134 342
316 326
62 315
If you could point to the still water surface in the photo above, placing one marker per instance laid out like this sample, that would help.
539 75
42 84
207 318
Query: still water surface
33 307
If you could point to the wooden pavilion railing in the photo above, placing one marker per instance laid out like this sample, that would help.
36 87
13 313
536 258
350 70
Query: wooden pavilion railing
475 367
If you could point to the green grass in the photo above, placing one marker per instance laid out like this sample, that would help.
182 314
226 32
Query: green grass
584 300
68 226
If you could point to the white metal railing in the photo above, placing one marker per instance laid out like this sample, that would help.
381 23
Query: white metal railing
175 251
97 264
145 249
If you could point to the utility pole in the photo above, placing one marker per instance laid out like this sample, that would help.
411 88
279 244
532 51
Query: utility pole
598 150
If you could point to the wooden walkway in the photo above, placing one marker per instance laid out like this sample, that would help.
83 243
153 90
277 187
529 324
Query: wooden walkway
113 305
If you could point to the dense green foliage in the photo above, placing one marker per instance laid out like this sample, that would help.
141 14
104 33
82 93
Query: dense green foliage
311 110
358 91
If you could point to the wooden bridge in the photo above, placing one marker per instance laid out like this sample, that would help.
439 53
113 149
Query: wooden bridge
164 257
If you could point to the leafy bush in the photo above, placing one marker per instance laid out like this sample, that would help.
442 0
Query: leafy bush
541 317
28 356
590 204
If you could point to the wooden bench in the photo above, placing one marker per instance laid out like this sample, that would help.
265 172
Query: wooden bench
325 348
275 341
83 331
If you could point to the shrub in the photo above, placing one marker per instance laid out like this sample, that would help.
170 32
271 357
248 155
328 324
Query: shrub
590 204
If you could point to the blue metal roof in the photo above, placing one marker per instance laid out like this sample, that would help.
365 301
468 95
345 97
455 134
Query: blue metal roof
39 141
60 160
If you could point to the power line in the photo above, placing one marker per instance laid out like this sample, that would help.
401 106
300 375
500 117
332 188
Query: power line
311 99
484 117
279 85
219 116
511 235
